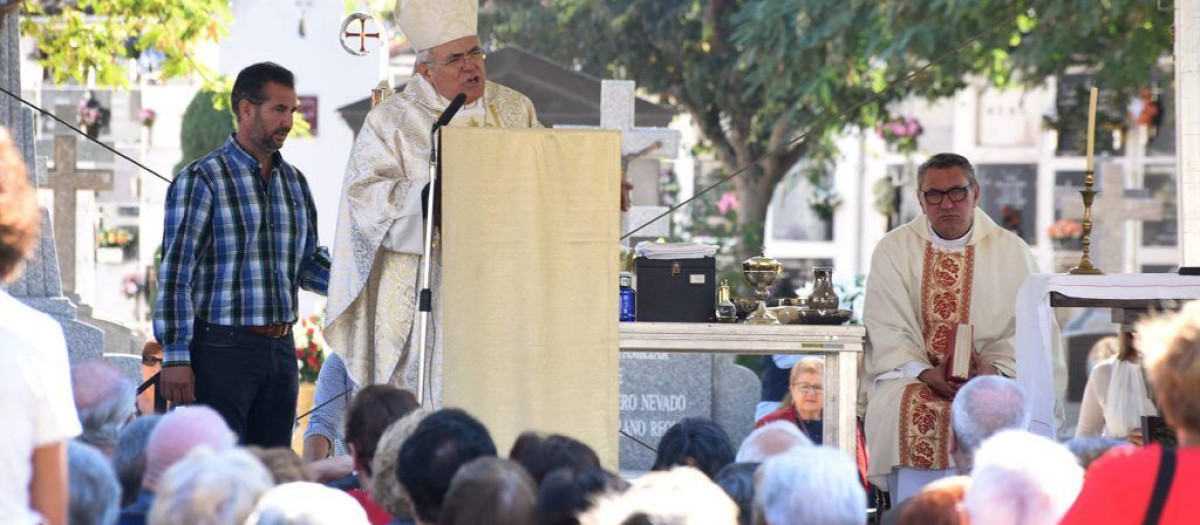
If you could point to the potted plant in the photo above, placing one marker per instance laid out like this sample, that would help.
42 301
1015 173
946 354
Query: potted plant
824 202
901 134
91 116
310 355
1066 234
111 244
147 116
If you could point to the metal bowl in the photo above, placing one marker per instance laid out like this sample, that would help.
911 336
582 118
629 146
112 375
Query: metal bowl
826 317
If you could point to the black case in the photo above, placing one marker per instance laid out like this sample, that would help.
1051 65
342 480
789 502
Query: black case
676 290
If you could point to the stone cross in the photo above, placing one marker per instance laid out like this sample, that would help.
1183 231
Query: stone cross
65 180
1113 206
641 150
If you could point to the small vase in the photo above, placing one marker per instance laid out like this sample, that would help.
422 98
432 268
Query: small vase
823 297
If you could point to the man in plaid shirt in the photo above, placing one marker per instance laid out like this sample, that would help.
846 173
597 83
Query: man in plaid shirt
240 240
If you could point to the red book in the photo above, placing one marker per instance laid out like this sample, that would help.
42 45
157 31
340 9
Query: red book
959 351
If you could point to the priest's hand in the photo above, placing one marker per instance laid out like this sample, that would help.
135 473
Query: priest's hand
1136 438
936 379
982 367
178 384
626 187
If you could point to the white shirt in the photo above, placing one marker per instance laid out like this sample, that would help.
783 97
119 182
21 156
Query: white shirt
36 405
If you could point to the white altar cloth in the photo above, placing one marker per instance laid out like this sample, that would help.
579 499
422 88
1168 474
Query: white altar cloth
1039 347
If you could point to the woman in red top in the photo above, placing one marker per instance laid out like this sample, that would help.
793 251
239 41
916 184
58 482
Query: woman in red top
1155 484
806 397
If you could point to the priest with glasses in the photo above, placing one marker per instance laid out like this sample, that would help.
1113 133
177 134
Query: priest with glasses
951 266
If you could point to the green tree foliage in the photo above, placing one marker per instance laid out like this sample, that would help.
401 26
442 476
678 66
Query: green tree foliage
759 75
76 38
204 128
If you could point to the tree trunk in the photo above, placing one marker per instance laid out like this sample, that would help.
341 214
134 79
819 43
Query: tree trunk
754 196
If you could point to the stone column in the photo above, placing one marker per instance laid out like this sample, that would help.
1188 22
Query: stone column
40 286
1187 114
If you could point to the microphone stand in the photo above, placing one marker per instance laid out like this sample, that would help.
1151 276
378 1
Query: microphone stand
425 296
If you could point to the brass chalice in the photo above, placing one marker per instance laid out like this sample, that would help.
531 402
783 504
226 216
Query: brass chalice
761 272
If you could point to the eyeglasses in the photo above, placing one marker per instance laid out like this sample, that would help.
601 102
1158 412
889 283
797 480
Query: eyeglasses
476 55
805 388
958 194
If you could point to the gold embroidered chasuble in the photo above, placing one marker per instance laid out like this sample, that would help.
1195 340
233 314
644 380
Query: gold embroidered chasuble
916 294
945 303
372 287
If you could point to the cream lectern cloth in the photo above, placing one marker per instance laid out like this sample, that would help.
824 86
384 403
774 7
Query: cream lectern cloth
530 250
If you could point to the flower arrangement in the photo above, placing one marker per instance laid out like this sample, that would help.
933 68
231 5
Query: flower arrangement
1064 230
113 238
310 347
824 202
132 285
901 133
89 114
147 116
729 202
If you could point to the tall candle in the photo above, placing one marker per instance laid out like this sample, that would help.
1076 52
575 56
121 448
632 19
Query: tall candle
1091 143
385 58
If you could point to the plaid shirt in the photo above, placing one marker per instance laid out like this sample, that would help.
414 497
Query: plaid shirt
235 248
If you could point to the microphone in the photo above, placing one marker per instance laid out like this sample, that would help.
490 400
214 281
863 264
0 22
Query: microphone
451 110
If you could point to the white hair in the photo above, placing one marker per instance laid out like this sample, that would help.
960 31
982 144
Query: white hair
680 496
209 488
95 494
103 420
984 406
810 485
304 503
1021 478
771 439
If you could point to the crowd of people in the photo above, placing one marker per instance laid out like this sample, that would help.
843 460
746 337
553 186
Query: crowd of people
417 466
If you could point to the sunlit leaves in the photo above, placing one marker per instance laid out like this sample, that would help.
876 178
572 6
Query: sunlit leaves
91 37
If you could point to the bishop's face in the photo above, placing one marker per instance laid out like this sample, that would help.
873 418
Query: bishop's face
457 67
948 200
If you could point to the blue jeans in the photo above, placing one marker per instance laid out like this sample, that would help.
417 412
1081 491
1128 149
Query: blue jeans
251 380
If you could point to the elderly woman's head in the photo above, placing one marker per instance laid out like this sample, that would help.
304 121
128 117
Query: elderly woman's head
807 387
1171 346
19 217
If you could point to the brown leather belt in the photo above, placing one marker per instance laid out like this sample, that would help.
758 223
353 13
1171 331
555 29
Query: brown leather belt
274 331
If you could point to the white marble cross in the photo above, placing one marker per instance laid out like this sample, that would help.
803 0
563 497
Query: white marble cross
65 180
617 102
641 149
1113 206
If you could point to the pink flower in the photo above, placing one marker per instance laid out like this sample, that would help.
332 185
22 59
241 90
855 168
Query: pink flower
147 116
729 201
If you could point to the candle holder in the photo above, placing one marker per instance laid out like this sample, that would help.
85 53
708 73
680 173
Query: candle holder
1085 266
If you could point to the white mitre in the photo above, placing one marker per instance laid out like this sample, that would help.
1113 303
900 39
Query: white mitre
431 23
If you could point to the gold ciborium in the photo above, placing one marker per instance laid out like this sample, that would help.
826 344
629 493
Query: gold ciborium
761 272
